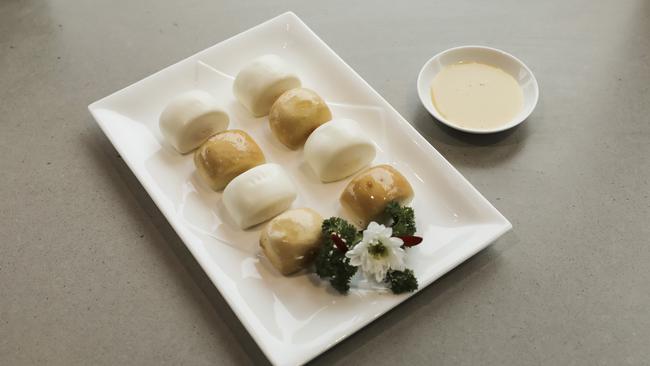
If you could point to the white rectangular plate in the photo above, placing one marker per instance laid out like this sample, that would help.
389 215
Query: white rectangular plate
292 319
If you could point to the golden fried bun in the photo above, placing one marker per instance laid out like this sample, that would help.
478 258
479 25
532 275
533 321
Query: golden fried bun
291 240
367 195
226 155
296 114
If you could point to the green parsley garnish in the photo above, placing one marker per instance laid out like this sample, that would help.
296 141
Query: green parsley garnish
402 281
331 262
403 219
340 236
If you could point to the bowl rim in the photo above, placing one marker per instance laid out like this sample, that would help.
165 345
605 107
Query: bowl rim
425 99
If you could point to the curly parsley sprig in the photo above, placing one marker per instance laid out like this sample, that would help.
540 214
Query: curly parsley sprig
402 219
331 261
339 236
401 281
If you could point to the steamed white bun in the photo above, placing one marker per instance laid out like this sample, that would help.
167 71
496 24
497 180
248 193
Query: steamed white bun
190 119
262 81
258 195
338 149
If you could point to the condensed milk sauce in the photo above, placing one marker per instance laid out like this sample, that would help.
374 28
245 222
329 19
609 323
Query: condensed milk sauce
476 96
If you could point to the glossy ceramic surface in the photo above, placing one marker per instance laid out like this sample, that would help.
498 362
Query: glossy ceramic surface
295 318
485 55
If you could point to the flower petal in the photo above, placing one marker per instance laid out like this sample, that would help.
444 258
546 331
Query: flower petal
396 242
377 266
386 231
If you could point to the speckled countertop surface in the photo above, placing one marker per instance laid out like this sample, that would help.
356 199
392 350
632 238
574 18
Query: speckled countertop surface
92 274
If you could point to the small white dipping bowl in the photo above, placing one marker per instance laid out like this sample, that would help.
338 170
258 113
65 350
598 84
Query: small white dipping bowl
488 56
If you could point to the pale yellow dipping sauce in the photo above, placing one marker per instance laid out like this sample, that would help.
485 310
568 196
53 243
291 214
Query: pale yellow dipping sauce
476 96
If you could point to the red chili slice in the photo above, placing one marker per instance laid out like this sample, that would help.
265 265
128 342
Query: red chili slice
340 244
411 240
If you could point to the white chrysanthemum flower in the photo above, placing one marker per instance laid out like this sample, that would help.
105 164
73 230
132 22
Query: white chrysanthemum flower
377 252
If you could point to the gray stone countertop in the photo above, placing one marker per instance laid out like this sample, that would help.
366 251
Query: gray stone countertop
92 274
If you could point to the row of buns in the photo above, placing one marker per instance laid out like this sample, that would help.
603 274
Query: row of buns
291 240
254 190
